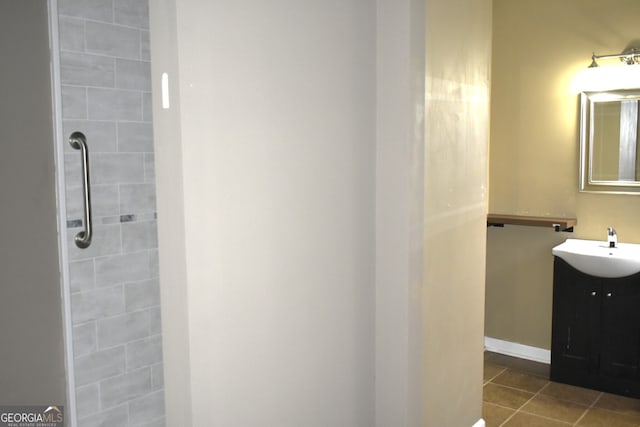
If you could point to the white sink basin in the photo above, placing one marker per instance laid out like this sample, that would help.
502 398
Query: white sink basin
596 258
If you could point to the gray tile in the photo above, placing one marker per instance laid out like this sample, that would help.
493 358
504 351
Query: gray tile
137 198
149 168
145 46
133 75
99 365
135 137
137 236
87 400
118 416
71 34
106 241
74 200
146 408
81 275
116 269
101 136
112 40
113 104
73 179
122 329
147 107
141 295
134 13
155 321
159 422
74 102
105 200
83 69
144 352
148 216
84 339
117 390
117 168
74 204
157 376
96 304
154 263
100 10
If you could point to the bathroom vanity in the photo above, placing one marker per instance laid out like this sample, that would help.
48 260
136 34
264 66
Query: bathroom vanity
596 317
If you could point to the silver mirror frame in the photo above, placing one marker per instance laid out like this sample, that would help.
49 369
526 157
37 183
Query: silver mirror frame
586 184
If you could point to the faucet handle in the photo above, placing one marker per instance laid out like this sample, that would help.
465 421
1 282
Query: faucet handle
612 237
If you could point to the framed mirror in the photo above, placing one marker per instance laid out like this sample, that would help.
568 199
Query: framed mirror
609 131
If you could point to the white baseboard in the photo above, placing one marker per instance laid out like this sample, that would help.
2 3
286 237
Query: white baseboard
479 423
517 350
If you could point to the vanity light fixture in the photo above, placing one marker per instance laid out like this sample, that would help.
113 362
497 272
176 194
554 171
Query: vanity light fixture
629 56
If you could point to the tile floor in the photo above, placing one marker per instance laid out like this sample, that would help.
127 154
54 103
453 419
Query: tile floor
518 393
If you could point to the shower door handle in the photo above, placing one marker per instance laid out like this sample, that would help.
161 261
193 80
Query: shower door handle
78 141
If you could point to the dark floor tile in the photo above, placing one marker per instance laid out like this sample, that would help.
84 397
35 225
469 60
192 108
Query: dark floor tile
624 405
505 396
549 407
510 387
570 393
491 371
522 419
494 415
597 417
520 380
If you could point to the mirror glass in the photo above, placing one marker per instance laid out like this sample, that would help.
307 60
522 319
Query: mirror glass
609 130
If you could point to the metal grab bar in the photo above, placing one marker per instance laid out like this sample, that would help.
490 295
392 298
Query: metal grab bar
78 141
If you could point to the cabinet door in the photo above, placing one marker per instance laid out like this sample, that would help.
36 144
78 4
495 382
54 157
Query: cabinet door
576 321
621 328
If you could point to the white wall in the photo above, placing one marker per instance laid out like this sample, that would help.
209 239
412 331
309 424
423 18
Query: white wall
273 129
293 198
400 195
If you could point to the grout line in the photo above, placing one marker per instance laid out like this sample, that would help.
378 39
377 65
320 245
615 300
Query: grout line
593 404
97 21
525 403
547 418
504 369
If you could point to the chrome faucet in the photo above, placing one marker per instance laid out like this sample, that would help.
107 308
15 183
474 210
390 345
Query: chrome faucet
612 237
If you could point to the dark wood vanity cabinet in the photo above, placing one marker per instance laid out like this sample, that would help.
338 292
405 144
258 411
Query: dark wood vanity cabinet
596 331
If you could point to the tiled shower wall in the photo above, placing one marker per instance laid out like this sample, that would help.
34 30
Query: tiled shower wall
115 301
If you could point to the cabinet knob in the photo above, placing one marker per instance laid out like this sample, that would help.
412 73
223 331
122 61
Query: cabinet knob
609 294
594 293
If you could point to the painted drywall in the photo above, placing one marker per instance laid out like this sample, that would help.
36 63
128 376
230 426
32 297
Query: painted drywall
292 200
32 371
457 131
399 188
275 141
539 49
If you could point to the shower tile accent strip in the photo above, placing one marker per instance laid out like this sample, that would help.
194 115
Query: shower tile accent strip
106 93
78 222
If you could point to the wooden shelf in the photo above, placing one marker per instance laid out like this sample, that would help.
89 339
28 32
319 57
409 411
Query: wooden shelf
559 224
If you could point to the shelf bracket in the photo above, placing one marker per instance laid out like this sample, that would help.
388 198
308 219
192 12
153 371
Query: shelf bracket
559 228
